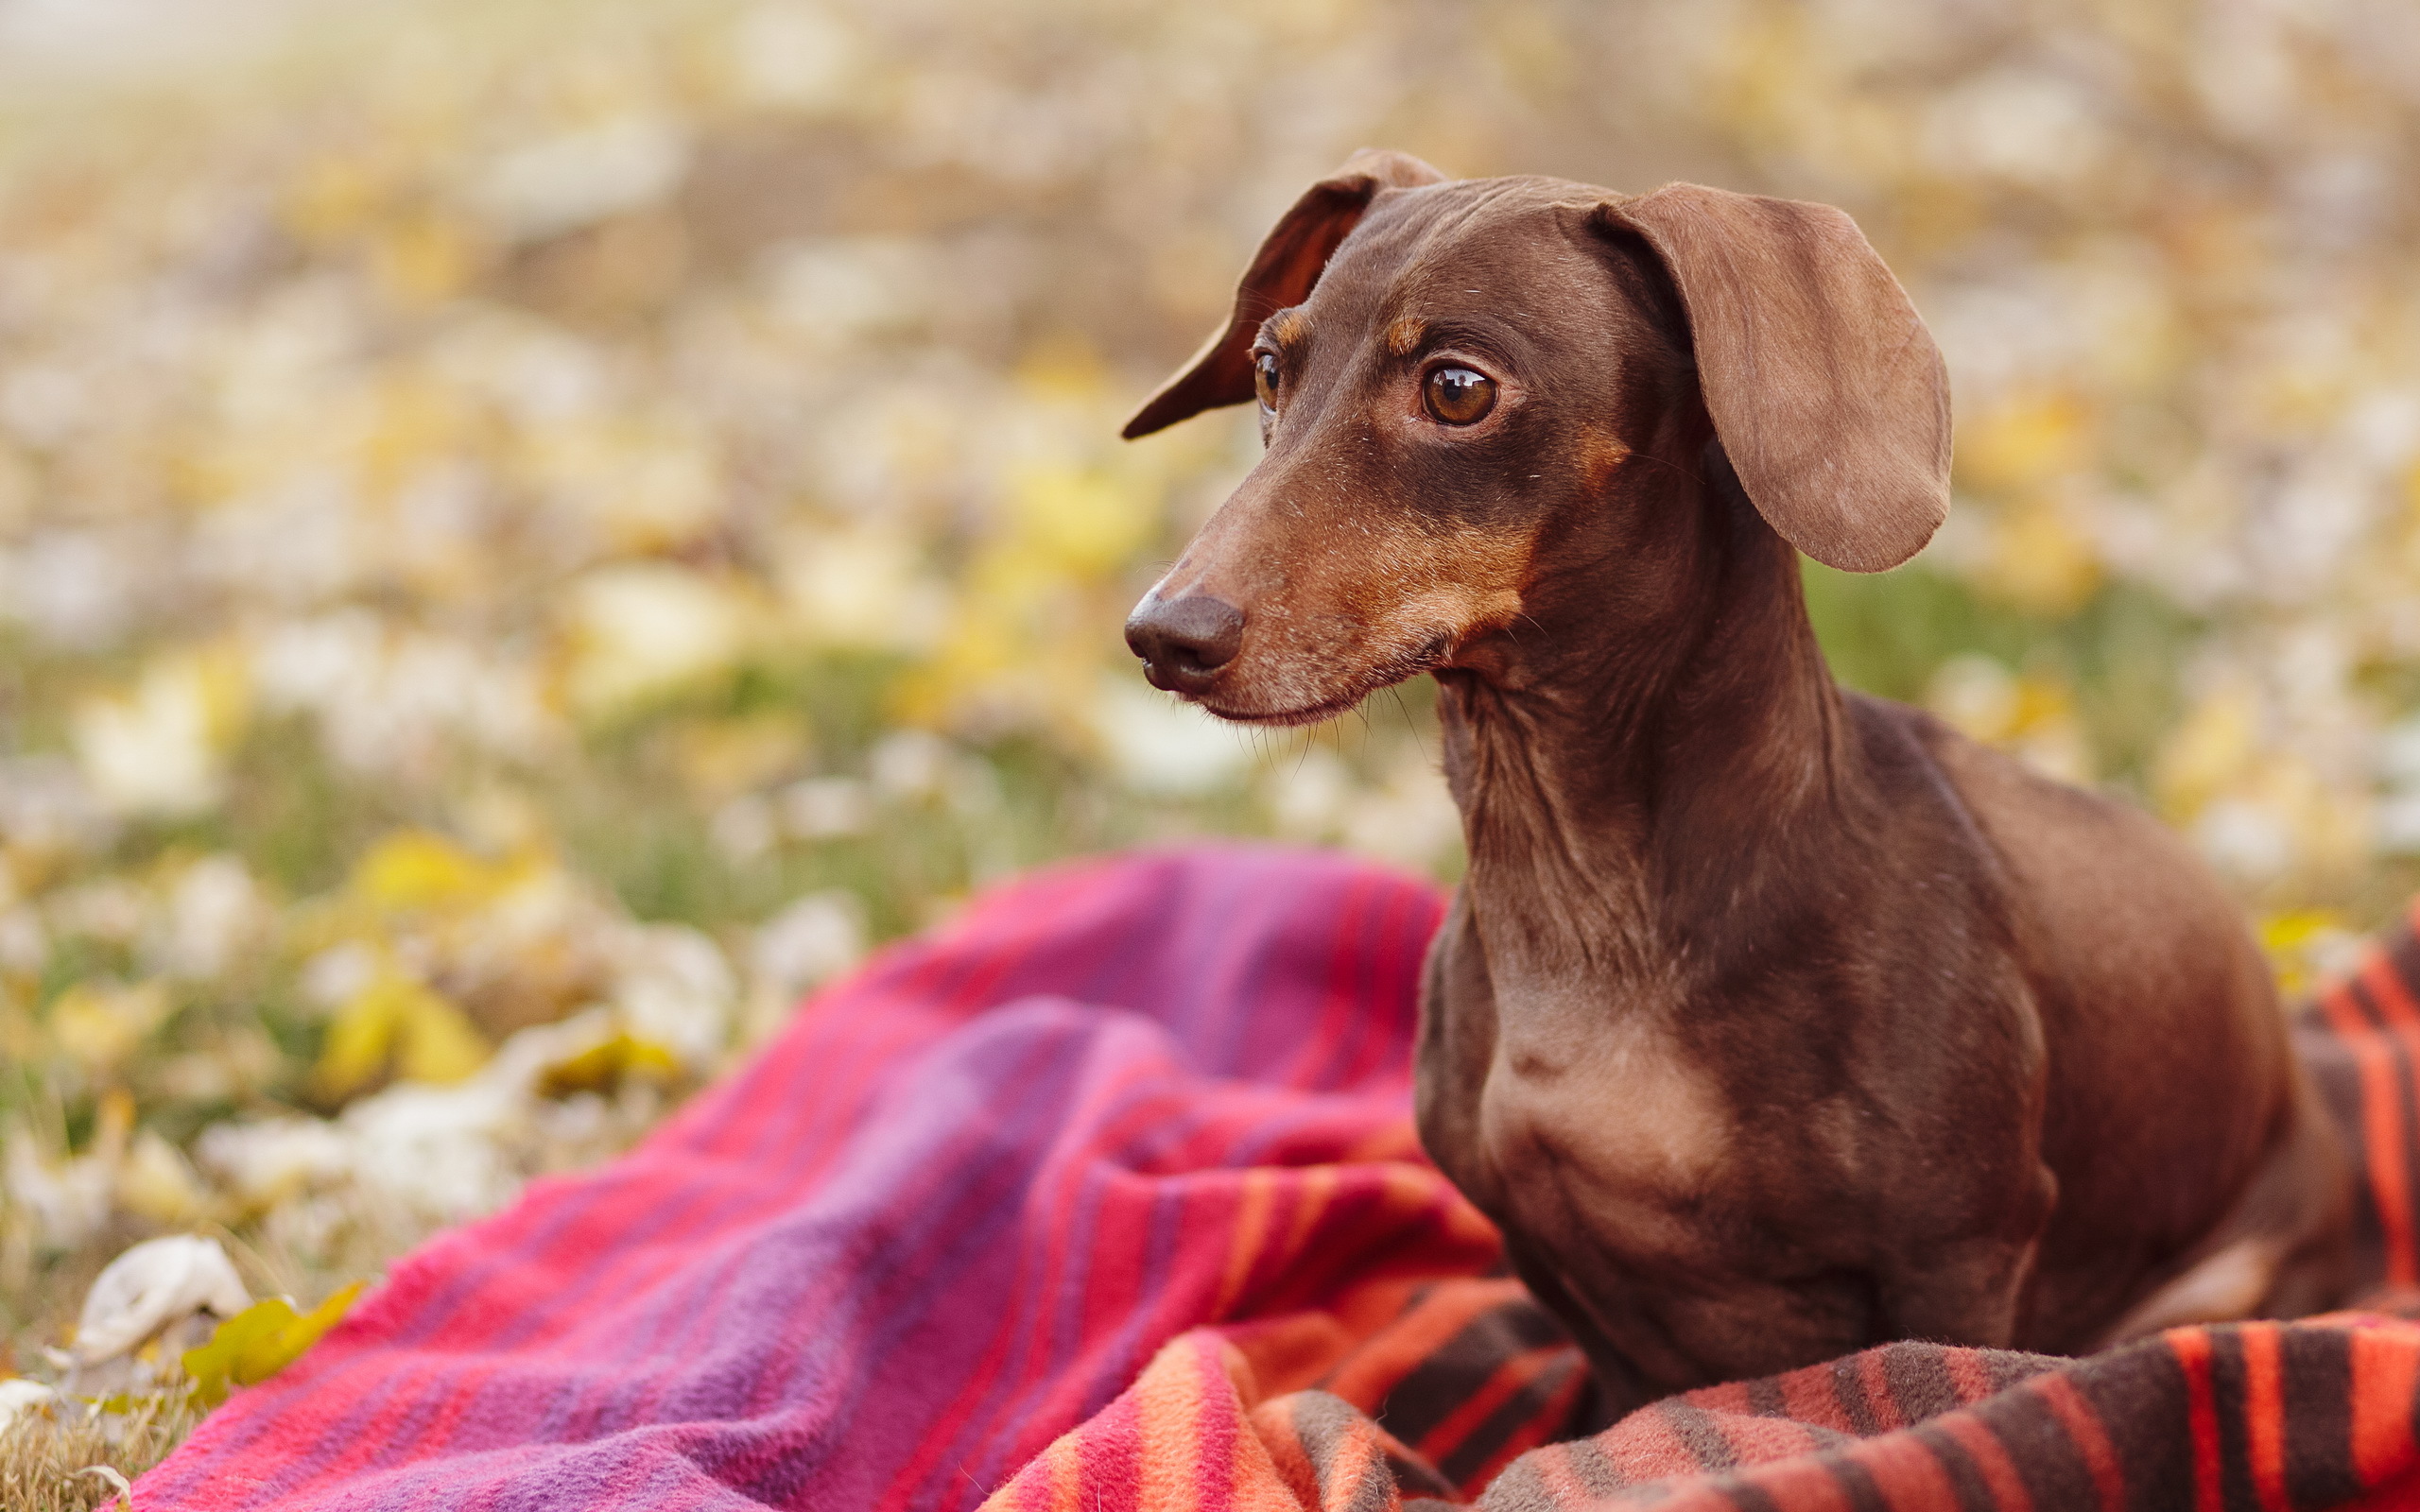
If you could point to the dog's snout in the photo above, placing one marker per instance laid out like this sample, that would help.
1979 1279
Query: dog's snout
1183 642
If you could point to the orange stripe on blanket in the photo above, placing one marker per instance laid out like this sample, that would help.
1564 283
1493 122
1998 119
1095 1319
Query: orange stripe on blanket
1313 1191
1809 1485
1176 1402
2381 1127
2264 1412
1991 1460
1290 1457
1906 1471
1553 1415
1250 1242
1809 1396
2386 1376
1967 1374
2086 1430
1066 1476
1402 1347
2191 1348
1875 1376
1254 1484
1509 1378
1560 1478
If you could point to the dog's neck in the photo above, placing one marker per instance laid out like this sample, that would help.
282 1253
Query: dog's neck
1641 773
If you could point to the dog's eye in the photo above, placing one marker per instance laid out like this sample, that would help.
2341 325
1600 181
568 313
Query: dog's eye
1458 396
1264 379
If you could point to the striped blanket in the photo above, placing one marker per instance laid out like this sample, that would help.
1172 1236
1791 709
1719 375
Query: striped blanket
1106 1198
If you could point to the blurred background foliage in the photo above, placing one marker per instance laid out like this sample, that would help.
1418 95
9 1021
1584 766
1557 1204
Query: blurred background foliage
532 532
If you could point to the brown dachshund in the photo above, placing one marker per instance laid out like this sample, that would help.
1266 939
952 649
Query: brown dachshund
1771 1020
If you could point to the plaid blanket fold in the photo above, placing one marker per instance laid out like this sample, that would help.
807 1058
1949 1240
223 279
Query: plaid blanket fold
1106 1198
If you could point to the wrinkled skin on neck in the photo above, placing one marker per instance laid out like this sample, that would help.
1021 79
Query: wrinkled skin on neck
1770 1022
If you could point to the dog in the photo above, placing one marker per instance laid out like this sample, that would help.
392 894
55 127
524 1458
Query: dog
1769 1021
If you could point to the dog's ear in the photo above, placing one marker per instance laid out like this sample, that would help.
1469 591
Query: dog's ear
1281 274
1823 384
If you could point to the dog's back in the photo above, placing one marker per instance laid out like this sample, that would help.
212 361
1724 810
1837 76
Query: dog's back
2167 1043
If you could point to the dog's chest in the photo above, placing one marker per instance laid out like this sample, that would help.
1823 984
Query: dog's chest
1613 1127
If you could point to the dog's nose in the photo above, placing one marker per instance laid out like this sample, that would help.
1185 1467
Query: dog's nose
1183 642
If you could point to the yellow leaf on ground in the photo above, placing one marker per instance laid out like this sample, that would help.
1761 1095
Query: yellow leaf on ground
435 1042
100 1025
414 869
428 1038
606 1065
260 1341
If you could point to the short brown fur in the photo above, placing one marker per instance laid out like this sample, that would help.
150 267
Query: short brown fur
1771 1020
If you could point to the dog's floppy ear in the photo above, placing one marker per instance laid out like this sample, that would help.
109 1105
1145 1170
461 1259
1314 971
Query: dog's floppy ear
1825 387
1282 273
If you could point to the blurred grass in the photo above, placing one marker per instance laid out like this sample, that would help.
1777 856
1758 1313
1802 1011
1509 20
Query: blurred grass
2120 651
44 1472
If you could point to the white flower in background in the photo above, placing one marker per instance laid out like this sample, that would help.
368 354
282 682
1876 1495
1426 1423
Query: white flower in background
908 764
672 988
443 1153
793 56
582 177
309 663
625 484
390 701
807 943
1308 794
533 371
2023 123
1408 817
2398 812
836 290
434 1154
643 627
44 402
302 539
821 808
2248 840
332 976
72 588
2032 719
106 908
1405 816
46 806
1159 745
862 585
21 1399
149 1287
156 751
745 827
68 1201
23 944
819 936
214 911
265 1162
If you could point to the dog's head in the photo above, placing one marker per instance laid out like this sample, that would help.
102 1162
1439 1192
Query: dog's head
1468 391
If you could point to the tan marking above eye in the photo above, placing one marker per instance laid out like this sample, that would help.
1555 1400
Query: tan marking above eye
1404 336
1288 327
1601 454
